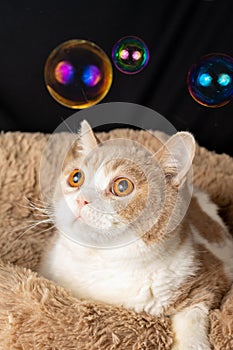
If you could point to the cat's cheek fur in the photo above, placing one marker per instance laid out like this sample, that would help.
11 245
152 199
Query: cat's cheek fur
98 226
66 213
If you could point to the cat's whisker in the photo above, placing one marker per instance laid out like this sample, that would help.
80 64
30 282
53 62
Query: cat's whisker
40 221
28 224
41 210
30 227
47 229
42 214
45 209
37 200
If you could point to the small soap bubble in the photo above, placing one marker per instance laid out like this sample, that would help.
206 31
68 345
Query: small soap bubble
130 55
78 74
210 81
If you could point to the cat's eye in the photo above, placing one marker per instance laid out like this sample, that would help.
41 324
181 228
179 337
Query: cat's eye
76 178
122 187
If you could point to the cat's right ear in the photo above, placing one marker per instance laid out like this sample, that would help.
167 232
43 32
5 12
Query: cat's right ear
83 144
87 138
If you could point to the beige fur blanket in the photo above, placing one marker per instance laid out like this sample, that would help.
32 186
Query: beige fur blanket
37 314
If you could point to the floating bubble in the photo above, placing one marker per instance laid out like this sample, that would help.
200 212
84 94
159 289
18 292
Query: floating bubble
210 81
78 74
130 55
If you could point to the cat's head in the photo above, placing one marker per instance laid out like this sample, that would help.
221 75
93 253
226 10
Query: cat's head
114 192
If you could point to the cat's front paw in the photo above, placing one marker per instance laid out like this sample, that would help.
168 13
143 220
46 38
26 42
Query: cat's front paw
190 327
185 346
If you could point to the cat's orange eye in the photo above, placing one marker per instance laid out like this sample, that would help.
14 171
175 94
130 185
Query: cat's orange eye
122 186
76 178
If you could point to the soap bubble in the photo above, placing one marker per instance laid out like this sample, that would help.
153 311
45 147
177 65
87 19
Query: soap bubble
210 81
78 74
130 55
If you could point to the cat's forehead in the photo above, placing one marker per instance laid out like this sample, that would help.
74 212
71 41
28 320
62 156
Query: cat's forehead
116 158
113 165
119 149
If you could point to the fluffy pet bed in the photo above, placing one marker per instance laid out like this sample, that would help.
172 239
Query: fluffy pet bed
38 314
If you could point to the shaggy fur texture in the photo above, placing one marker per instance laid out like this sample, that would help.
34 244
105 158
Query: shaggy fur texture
37 314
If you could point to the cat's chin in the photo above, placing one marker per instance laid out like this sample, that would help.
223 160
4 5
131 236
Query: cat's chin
80 219
80 222
84 234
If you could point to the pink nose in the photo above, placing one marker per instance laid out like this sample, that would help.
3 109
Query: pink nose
81 202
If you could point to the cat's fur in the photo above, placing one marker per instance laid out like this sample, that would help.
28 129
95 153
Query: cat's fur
167 255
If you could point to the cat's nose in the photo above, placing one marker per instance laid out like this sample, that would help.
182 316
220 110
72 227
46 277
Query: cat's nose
81 201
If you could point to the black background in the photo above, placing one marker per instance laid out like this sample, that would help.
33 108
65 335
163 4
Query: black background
178 33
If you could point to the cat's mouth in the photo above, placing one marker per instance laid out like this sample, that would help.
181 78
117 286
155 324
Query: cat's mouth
86 216
79 217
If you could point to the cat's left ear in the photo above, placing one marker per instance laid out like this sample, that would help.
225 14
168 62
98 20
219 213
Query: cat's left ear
88 140
176 157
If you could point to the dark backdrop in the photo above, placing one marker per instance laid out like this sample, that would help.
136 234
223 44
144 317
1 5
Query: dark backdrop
177 33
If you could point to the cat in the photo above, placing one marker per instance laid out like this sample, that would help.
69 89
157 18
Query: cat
169 251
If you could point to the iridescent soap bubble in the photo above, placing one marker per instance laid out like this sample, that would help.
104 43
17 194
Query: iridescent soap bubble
130 55
210 81
78 74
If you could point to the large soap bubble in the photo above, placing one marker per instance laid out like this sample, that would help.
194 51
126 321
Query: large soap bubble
210 81
78 74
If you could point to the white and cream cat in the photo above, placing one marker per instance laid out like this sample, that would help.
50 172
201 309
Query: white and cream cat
169 252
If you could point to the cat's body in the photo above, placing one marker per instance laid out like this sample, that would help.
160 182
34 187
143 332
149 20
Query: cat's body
181 273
